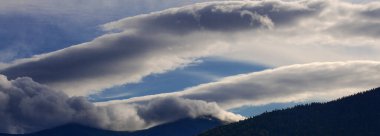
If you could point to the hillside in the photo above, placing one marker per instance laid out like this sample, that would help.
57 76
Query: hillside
356 115
184 127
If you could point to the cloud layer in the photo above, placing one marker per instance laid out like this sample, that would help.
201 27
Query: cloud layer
27 106
153 43
273 32
41 26
294 83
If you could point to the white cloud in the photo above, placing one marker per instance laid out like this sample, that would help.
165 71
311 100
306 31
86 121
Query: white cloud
294 83
27 106
340 31
110 60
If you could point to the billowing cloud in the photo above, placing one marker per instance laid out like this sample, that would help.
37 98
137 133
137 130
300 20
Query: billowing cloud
153 43
27 106
294 83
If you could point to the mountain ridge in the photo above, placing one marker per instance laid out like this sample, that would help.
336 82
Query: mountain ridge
354 115
183 127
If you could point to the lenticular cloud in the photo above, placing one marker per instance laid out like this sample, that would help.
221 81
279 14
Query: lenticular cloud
154 43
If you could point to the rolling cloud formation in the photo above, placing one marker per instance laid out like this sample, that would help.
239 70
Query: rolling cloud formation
27 106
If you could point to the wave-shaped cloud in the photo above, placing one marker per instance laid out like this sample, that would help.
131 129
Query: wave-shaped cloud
295 83
153 43
272 32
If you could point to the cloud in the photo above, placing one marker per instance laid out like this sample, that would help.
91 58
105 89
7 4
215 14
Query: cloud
320 81
40 26
357 20
340 31
27 106
88 10
228 16
273 33
110 60
152 43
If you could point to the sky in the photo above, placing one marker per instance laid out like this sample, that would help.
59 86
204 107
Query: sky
128 65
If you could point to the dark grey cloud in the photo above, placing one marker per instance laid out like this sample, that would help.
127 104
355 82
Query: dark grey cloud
152 43
28 106
40 26
219 16
110 60
162 109
162 41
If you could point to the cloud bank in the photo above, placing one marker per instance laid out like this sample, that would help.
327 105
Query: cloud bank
154 43
27 106
295 83
272 32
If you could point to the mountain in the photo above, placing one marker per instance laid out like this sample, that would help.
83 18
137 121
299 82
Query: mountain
184 127
356 115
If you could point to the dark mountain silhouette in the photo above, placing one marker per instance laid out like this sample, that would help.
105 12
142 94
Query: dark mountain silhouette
356 115
184 127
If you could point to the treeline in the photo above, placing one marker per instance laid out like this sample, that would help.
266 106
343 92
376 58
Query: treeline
356 115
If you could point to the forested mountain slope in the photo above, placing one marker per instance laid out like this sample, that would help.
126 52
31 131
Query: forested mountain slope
356 115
